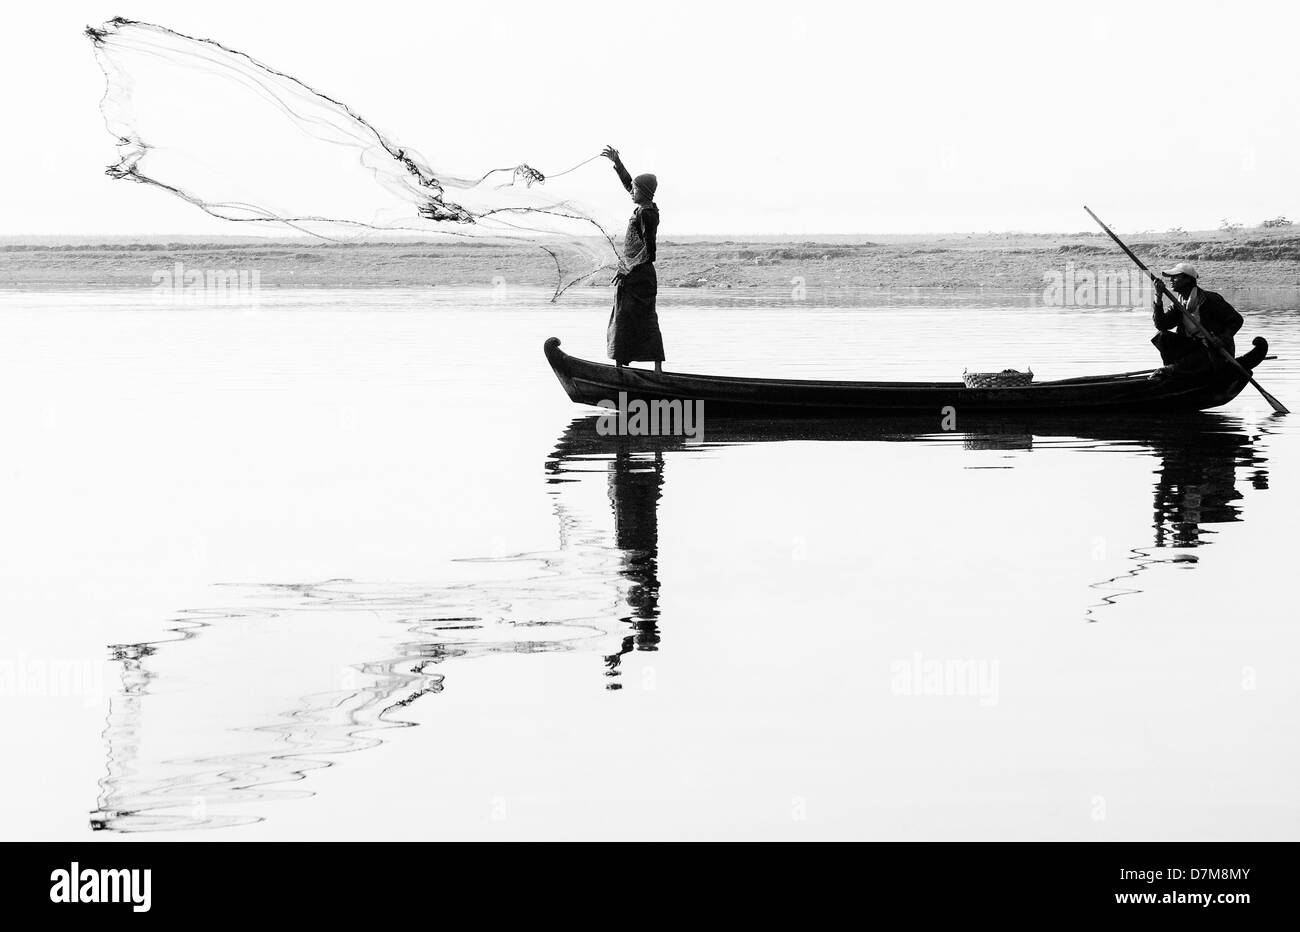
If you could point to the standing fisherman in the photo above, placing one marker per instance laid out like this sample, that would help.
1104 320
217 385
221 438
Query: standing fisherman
633 333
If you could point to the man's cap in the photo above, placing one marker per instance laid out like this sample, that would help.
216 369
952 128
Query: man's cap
1182 268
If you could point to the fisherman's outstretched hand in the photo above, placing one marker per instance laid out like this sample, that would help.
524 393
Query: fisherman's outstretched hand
610 153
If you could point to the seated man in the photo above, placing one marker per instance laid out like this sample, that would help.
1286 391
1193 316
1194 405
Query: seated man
1186 348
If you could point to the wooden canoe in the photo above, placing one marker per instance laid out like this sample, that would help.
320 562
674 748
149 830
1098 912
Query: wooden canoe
594 383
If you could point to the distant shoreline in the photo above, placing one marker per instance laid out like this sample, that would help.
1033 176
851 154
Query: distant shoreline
1014 261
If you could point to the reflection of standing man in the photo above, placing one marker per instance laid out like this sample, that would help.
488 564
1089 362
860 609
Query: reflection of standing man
635 486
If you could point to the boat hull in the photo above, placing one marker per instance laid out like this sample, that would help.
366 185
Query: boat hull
600 384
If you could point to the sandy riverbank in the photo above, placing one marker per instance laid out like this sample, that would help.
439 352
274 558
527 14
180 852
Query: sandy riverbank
1011 261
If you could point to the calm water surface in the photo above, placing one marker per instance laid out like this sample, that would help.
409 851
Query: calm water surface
350 565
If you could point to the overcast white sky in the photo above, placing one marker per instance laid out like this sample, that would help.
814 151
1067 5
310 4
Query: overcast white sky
797 117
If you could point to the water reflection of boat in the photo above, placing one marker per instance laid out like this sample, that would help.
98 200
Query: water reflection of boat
187 748
599 384
1198 457
1175 434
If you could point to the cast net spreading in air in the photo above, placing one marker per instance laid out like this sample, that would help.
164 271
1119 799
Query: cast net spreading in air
250 144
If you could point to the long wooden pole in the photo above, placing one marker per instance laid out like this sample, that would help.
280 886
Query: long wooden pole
1210 339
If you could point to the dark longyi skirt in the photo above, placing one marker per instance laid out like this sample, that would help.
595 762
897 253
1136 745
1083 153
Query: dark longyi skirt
633 334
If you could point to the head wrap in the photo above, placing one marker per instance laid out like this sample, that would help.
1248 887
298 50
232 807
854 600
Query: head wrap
648 184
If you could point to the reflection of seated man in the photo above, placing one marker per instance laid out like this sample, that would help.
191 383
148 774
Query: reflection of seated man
1186 348
1198 486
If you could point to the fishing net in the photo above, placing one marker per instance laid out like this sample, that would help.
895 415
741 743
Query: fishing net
249 144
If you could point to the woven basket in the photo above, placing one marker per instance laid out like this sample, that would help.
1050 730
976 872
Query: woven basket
1004 379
